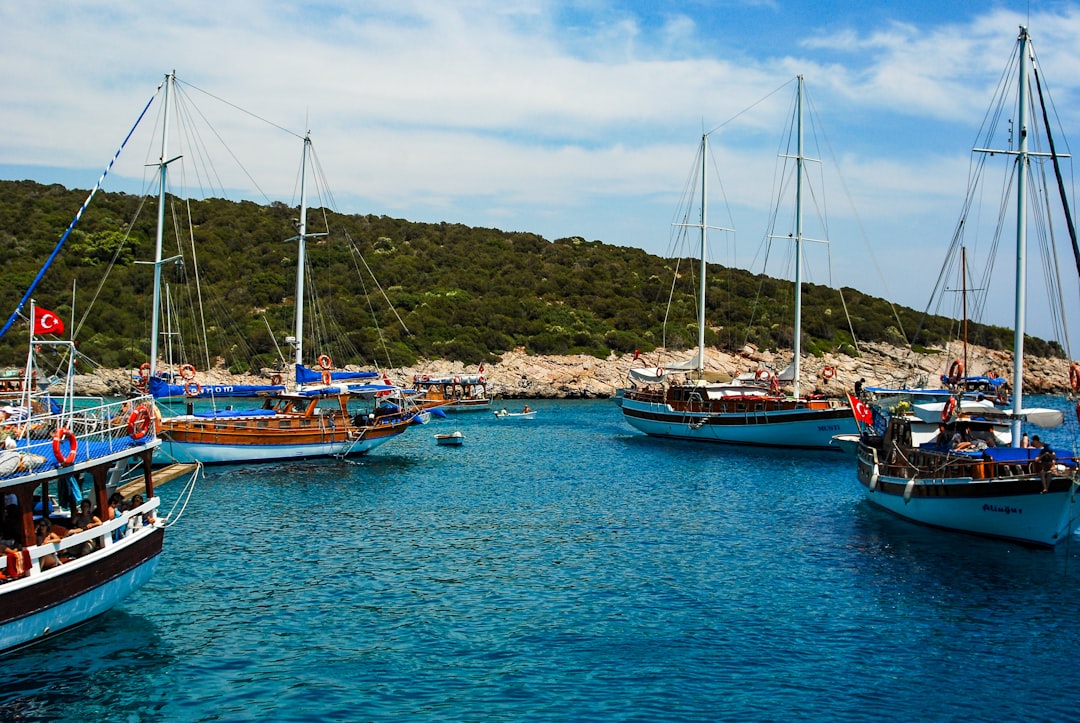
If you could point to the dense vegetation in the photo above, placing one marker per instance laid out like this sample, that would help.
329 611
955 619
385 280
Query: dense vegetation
434 290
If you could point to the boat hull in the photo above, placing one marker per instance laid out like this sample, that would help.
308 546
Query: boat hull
226 453
805 428
1012 507
39 606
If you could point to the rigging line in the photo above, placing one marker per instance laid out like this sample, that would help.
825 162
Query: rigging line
60 244
750 107
356 252
226 146
1057 173
112 264
242 110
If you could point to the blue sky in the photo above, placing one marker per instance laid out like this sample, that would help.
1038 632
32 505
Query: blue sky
559 118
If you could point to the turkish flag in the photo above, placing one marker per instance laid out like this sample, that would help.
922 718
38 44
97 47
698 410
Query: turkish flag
860 410
46 322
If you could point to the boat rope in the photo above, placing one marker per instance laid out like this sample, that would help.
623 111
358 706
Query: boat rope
184 497
63 239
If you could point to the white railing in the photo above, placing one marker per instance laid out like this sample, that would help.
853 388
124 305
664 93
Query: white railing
101 537
92 427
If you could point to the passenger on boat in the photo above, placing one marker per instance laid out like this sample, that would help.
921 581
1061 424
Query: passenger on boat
1045 462
84 519
526 410
962 441
46 535
942 439
1036 442
1024 443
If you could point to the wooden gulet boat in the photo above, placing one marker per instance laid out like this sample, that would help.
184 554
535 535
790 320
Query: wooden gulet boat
288 426
52 582
751 411
313 421
1010 492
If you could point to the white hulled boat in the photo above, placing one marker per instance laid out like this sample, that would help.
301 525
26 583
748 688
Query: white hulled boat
750 410
996 490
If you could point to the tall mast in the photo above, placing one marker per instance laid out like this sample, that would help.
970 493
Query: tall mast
701 279
300 256
163 165
797 346
1021 237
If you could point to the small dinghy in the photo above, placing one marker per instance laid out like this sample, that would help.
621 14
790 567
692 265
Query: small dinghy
455 439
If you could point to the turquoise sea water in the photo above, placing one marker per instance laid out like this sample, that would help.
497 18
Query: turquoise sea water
565 568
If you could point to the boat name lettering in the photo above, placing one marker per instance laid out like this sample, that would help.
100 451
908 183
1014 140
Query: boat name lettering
1006 510
829 428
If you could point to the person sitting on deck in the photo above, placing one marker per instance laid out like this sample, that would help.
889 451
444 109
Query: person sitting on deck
526 410
942 439
1045 464
45 536
962 440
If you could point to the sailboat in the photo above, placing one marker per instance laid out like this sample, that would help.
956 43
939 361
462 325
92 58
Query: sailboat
68 561
313 420
981 487
750 410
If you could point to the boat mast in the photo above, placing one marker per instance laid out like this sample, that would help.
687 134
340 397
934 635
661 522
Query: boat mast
701 279
797 345
300 257
163 165
1021 238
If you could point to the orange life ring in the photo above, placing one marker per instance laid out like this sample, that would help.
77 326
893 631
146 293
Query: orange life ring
762 375
828 372
481 378
457 380
187 371
1074 376
956 370
144 371
327 377
61 434
192 388
325 362
276 379
948 409
425 378
1078 411
138 423
991 375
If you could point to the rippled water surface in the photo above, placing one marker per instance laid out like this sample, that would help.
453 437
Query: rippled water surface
565 568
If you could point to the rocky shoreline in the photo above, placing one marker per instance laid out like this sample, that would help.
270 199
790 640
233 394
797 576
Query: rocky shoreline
518 375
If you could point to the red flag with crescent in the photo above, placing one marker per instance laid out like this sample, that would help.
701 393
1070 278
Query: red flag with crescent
860 410
46 322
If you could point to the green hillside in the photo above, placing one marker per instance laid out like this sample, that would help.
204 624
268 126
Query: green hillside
435 290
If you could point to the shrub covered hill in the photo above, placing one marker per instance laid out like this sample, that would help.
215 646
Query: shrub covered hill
391 291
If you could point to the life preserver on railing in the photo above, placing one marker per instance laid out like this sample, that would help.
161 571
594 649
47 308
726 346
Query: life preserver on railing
425 378
144 371
457 380
828 372
481 378
762 375
956 370
1074 376
659 371
948 409
62 434
327 377
138 424
325 362
991 375
192 388
276 379
187 371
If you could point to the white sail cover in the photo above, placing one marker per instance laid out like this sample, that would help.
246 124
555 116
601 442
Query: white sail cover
1039 416
655 375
